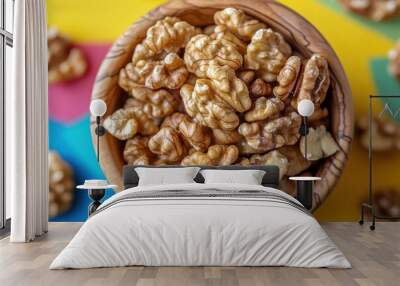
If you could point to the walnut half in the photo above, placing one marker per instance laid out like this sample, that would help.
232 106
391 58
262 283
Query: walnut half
202 51
65 62
126 122
238 22
394 58
287 78
385 134
315 81
376 10
229 88
137 152
195 134
271 158
168 35
320 144
61 184
202 103
264 108
265 136
156 103
170 72
168 145
216 155
267 54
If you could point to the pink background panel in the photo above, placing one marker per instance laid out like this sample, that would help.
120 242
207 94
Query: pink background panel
70 101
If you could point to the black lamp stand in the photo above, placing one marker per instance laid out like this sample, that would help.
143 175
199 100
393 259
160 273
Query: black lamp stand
97 194
304 132
305 187
304 191
100 131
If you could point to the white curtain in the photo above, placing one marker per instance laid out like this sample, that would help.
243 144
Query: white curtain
26 124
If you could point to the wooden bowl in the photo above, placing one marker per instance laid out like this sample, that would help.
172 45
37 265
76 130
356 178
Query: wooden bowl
297 31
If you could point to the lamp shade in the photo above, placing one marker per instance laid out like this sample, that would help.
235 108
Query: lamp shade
98 107
305 107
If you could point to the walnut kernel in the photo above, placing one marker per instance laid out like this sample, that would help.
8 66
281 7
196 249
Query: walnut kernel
202 104
65 62
264 108
238 22
216 155
168 145
394 58
267 54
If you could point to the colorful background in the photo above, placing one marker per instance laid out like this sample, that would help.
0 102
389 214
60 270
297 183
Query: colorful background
93 25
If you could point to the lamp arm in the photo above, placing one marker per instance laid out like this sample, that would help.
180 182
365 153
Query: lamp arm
304 132
305 120
98 138
100 131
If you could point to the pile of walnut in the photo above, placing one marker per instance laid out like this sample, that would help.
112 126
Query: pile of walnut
65 62
394 58
384 132
61 185
225 94
376 10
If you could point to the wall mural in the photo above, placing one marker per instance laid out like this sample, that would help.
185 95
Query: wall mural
78 45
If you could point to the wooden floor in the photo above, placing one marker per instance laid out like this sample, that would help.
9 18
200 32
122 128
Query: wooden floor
375 257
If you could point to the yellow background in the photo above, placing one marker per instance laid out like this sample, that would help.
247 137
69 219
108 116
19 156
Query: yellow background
102 21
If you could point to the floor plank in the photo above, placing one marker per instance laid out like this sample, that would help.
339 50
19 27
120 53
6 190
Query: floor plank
375 257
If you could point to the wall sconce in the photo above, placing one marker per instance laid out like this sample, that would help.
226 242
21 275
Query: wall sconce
98 108
305 108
